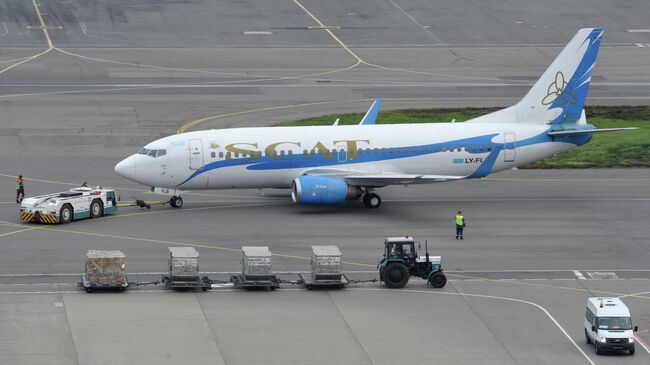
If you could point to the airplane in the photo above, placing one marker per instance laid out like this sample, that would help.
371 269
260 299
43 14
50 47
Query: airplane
333 164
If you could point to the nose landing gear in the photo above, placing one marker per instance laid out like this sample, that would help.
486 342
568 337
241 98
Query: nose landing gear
176 201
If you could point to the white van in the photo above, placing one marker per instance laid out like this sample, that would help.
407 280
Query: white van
608 325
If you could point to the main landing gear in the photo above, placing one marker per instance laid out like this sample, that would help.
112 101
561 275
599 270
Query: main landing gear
371 200
176 201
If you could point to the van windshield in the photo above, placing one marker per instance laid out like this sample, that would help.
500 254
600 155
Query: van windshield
614 323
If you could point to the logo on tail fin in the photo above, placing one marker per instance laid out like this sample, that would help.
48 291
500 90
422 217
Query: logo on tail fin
559 91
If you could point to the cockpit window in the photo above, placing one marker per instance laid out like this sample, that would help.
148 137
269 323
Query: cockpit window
152 153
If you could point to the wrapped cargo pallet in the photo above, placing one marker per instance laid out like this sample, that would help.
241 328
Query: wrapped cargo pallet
325 263
105 267
183 263
256 263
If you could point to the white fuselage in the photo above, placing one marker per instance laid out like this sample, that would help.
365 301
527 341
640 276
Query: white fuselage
272 157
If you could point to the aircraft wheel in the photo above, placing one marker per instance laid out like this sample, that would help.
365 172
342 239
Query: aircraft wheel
371 200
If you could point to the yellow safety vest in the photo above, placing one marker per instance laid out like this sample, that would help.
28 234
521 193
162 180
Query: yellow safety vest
19 184
459 219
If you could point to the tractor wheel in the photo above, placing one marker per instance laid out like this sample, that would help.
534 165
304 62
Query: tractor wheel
66 214
438 280
96 208
396 275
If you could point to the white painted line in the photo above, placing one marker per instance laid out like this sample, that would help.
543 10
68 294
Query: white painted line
578 274
640 45
258 33
642 343
547 313
602 275
638 30
161 273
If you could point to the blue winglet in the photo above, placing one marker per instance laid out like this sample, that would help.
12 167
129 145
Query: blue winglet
372 113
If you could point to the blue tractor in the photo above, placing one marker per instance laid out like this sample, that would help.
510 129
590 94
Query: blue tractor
400 261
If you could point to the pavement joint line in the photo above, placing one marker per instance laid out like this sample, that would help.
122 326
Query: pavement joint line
425 29
156 241
538 306
362 61
544 286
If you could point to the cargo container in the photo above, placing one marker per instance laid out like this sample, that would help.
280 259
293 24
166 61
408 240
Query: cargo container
325 268
183 265
105 269
256 269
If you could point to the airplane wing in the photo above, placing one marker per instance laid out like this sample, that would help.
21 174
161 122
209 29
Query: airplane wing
359 178
397 179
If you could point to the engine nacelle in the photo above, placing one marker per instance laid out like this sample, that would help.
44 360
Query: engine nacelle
322 190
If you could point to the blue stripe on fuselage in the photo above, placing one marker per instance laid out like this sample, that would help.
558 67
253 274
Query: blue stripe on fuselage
320 160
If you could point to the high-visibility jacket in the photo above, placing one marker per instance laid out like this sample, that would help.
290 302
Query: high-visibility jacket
19 184
460 219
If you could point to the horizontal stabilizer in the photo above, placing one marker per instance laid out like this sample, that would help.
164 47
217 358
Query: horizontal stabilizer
574 132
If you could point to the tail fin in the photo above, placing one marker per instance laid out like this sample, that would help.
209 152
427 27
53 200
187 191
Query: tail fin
558 97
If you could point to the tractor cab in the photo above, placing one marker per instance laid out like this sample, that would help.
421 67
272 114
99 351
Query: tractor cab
400 248
401 260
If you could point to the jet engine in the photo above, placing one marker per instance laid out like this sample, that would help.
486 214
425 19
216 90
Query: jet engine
322 190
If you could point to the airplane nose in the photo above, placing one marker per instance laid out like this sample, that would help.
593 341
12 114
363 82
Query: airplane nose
126 168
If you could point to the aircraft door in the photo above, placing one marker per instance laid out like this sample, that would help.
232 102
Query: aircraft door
509 147
196 154
342 155
162 160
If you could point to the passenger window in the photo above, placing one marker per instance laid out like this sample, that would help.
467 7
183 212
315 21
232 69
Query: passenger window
220 154
228 156
367 151
481 148
443 149
489 147
213 154
376 150
236 154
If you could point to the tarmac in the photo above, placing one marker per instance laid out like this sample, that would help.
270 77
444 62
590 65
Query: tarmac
83 85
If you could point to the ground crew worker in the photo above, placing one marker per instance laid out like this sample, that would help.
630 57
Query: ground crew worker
20 189
84 184
460 224
392 249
